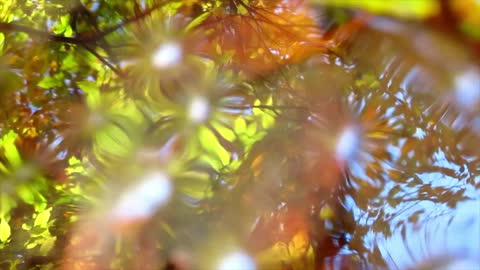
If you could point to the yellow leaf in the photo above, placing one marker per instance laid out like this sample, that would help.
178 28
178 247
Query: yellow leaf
297 254
5 230
298 246
327 213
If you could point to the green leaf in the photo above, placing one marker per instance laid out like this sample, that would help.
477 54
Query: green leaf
251 129
26 227
268 120
2 42
172 8
225 132
30 195
63 27
6 204
69 63
5 230
49 82
240 125
31 245
197 21
75 166
47 245
400 8
42 218
194 184
211 144
113 141
10 149
92 91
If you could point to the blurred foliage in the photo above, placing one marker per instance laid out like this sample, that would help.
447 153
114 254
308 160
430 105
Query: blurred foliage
409 9
467 14
243 111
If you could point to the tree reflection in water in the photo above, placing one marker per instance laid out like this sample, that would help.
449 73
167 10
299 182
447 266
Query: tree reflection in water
415 193
410 193
262 144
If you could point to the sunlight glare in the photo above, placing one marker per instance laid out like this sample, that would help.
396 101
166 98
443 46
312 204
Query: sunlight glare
199 109
237 261
167 55
347 144
467 89
141 201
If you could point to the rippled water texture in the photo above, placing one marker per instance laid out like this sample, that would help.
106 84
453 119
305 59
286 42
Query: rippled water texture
415 186
395 116
364 155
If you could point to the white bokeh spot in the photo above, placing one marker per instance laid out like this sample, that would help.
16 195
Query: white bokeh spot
348 144
238 260
199 109
142 200
467 89
167 55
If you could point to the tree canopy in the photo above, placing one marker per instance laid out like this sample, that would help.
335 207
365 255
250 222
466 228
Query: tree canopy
237 134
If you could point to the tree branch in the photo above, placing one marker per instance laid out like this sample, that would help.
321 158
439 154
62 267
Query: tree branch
13 27
128 21
80 39
83 40
103 60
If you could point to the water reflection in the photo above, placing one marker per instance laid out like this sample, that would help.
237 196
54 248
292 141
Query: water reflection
365 159
428 236
387 116
415 193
